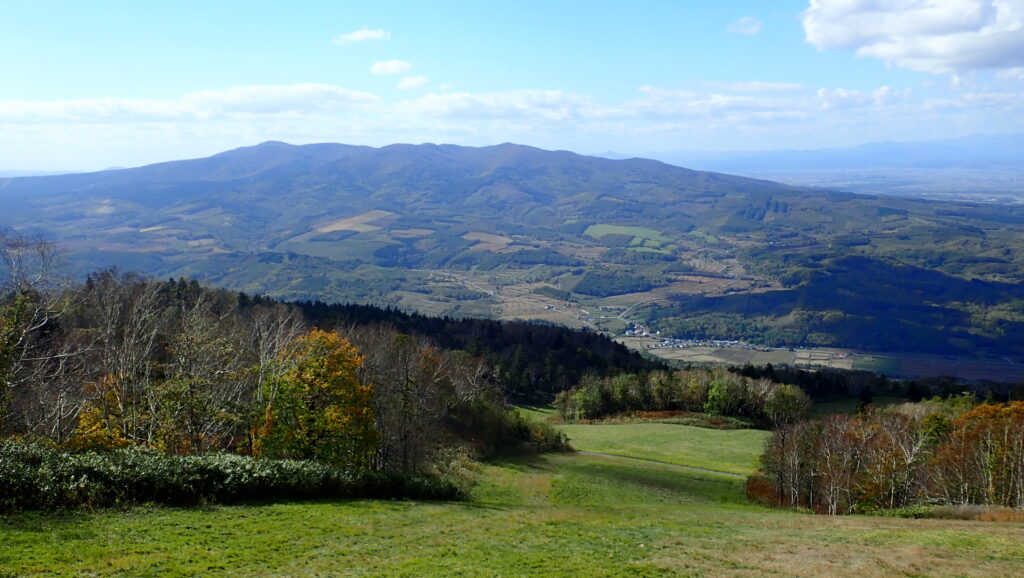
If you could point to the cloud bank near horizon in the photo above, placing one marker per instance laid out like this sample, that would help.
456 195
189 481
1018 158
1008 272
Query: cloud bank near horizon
758 113
952 36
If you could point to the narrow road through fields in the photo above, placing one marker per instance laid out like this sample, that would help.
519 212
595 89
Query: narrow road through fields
633 306
669 464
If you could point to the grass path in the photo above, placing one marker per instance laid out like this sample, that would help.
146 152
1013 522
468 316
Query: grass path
648 512
732 451
555 515
676 466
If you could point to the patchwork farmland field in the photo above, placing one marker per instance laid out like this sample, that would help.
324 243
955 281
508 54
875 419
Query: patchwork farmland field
363 223
487 241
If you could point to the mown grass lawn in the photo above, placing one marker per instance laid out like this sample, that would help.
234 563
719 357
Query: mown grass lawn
550 515
733 451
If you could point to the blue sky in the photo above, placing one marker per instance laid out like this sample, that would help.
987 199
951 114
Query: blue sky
87 85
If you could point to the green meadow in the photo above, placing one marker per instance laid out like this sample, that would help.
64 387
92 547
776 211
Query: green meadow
601 229
548 515
731 451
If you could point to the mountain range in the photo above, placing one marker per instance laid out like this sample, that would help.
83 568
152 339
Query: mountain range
981 152
971 167
513 231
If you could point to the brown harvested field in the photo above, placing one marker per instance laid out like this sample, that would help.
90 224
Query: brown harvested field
584 252
736 356
703 354
512 312
360 223
890 364
707 266
512 309
114 247
688 354
805 356
130 247
487 241
774 357
517 302
410 233
638 343
841 363
627 299
489 247
487 238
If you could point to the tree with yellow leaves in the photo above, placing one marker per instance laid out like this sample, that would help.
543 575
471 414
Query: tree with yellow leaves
318 409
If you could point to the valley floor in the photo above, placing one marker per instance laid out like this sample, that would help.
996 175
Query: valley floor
551 515
892 364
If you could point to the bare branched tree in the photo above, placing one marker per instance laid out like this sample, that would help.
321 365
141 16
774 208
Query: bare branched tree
124 315
271 331
206 395
32 299
411 391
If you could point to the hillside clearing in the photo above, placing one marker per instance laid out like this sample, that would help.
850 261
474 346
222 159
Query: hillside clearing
730 451
360 223
546 516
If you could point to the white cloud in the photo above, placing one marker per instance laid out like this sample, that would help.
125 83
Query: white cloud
746 26
841 98
253 100
1011 74
813 110
45 134
275 99
666 104
755 86
925 35
412 82
390 67
362 35
1011 103
536 104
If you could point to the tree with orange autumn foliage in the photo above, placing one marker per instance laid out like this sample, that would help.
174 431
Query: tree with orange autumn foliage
318 409
983 458
906 455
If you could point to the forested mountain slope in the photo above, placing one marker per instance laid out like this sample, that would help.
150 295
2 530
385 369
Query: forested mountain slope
511 231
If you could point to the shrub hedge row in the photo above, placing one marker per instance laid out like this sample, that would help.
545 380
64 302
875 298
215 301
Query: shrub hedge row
34 476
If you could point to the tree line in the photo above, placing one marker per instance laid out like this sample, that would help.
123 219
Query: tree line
120 360
716 391
830 383
927 453
530 361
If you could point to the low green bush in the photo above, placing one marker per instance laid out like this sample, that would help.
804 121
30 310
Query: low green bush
35 476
